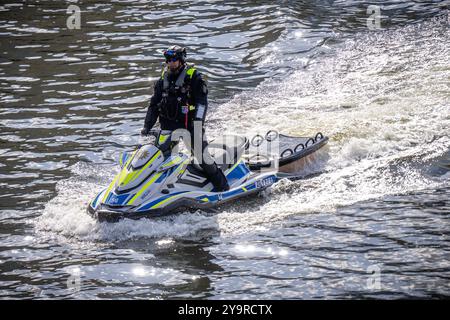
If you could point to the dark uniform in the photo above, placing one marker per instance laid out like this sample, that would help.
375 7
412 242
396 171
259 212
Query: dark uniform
178 100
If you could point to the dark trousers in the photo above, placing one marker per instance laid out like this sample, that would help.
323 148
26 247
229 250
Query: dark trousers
212 172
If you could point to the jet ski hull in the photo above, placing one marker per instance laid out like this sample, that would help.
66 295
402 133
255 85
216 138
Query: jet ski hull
154 182
190 201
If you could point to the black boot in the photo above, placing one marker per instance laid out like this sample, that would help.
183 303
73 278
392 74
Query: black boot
216 176
214 173
220 182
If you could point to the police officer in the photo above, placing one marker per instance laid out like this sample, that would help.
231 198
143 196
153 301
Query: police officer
179 99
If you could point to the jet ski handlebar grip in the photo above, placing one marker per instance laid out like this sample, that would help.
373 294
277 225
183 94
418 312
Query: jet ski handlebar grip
153 132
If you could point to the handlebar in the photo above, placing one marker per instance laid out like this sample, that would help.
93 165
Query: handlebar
153 132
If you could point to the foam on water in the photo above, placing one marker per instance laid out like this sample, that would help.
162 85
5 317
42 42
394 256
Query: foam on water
385 108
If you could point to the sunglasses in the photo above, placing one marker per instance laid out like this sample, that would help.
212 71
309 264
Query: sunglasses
171 56
173 59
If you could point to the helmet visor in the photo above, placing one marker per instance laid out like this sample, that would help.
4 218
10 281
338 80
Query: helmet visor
171 55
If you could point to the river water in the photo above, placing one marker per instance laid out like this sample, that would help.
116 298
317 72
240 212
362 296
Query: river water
370 219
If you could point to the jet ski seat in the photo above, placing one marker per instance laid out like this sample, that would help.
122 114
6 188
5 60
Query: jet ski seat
226 151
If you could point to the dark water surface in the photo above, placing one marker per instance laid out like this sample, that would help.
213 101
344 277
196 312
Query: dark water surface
371 221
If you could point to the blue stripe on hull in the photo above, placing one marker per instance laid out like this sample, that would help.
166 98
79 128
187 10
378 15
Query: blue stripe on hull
259 184
117 200
239 172
94 203
151 204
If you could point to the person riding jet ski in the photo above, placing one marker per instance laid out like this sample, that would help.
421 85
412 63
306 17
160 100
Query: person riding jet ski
180 99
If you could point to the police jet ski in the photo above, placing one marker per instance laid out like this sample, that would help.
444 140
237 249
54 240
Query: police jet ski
154 180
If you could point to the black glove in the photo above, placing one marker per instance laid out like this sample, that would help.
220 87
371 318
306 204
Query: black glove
145 131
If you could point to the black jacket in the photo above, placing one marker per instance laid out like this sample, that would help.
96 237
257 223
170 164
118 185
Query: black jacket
198 93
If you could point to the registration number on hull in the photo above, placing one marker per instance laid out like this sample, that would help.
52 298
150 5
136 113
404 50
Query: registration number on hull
265 182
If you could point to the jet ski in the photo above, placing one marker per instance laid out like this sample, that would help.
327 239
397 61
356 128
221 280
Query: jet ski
154 180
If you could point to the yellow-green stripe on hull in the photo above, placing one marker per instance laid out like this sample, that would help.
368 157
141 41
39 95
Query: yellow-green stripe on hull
132 200
172 163
164 201
109 189
168 199
116 178
234 166
129 177
153 179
